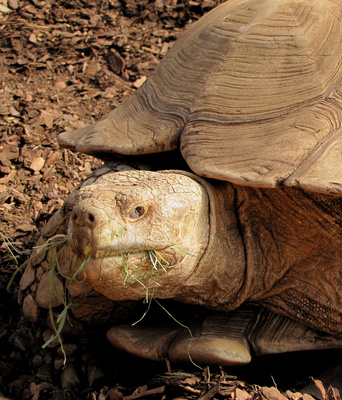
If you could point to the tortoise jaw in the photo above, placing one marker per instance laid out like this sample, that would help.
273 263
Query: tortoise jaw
84 243
84 249
102 253
109 261
128 276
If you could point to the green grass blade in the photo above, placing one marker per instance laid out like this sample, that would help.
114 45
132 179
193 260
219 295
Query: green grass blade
184 326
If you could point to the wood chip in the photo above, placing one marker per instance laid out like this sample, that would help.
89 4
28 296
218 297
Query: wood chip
26 227
4 9
241 395
211 393
9 152
150 392
139 81
37 164
115 394
334 393
271 393
14 112
13 4
298 396
60 85
21 197
321 388
6 179
33 38
116 62
55 156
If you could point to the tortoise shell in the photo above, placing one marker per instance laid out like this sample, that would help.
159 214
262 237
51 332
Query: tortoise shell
250 93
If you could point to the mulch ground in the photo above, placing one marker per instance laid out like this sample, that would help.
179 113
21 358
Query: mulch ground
64 64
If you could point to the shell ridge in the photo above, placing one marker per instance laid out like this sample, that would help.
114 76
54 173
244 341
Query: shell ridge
312 158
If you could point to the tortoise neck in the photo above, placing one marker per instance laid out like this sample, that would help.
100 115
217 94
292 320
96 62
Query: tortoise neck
219 278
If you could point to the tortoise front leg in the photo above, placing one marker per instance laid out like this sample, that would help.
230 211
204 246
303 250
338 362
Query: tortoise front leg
226 339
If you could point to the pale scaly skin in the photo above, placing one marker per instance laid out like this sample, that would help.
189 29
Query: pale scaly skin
124 217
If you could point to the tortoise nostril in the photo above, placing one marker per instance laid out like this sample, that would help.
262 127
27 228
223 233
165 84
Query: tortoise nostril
81 217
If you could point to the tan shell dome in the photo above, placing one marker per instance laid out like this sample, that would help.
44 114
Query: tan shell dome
251 93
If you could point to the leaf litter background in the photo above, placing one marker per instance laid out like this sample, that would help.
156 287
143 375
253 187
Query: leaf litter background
64 64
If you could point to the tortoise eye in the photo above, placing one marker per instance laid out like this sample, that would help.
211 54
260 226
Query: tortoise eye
137 212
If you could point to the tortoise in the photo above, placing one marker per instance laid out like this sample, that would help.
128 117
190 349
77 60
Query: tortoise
250 95
226 338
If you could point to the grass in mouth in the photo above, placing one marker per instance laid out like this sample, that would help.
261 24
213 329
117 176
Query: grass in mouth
135 273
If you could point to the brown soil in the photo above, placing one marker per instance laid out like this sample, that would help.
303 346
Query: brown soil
64 64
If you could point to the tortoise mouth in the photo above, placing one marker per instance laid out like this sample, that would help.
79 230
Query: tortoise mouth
106 254
85 248
124 267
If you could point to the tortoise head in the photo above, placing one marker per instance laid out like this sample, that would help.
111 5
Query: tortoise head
139 233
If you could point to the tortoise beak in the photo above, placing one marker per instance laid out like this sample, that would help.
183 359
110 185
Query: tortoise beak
92 232
83 221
